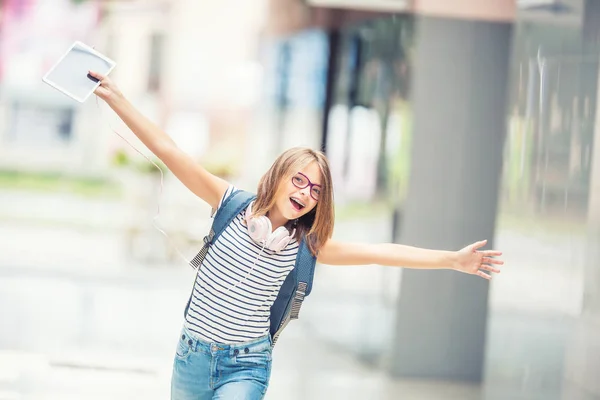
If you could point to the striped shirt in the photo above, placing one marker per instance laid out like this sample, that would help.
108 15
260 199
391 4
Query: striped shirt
236 285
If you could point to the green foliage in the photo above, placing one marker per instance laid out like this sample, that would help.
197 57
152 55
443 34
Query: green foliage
53 182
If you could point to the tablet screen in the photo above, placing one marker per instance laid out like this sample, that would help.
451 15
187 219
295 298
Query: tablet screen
70 74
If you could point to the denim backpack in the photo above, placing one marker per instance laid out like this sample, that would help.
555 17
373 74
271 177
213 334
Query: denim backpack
298 283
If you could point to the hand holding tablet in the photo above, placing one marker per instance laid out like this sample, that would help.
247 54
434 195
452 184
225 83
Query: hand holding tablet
107 89
70 75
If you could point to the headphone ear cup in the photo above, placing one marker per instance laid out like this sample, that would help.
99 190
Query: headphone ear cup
279 239
259 229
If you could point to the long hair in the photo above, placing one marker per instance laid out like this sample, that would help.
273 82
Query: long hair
316 227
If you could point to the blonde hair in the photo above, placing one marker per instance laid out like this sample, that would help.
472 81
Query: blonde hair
317 225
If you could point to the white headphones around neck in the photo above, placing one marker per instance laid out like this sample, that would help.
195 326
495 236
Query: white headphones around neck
260 229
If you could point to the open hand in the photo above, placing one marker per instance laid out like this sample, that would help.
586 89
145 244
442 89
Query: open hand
472 261
107 89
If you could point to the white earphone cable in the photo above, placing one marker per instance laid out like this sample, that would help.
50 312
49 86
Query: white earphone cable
154 219
251 269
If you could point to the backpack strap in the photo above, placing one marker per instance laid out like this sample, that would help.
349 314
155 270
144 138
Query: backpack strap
294 290
231 207
305 272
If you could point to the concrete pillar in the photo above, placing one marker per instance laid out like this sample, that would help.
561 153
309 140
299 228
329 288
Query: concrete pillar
582 358
460 111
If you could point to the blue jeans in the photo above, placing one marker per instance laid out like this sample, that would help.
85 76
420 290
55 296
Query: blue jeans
203 370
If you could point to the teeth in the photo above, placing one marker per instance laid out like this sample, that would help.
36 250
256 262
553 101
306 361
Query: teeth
299 202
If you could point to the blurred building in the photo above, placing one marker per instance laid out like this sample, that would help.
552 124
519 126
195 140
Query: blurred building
176 61
40 129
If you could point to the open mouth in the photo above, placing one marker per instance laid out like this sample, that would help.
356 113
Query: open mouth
297 204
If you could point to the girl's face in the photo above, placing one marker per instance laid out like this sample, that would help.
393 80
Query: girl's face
299 195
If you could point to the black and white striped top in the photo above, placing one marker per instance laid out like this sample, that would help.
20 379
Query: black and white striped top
231 299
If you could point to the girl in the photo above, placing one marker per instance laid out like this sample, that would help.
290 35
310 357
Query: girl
224 349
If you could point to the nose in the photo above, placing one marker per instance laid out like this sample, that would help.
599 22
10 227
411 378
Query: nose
304 191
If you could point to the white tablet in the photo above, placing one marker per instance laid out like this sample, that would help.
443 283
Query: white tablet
70 74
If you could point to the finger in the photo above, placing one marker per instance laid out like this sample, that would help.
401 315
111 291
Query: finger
488 260
491 253
479 244
97 75
490 268
90 77
483 275
101 91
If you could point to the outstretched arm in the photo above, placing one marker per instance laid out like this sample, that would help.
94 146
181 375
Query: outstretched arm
468 260
205 185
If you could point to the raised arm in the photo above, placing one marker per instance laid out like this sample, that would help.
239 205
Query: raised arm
468 260
205 185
